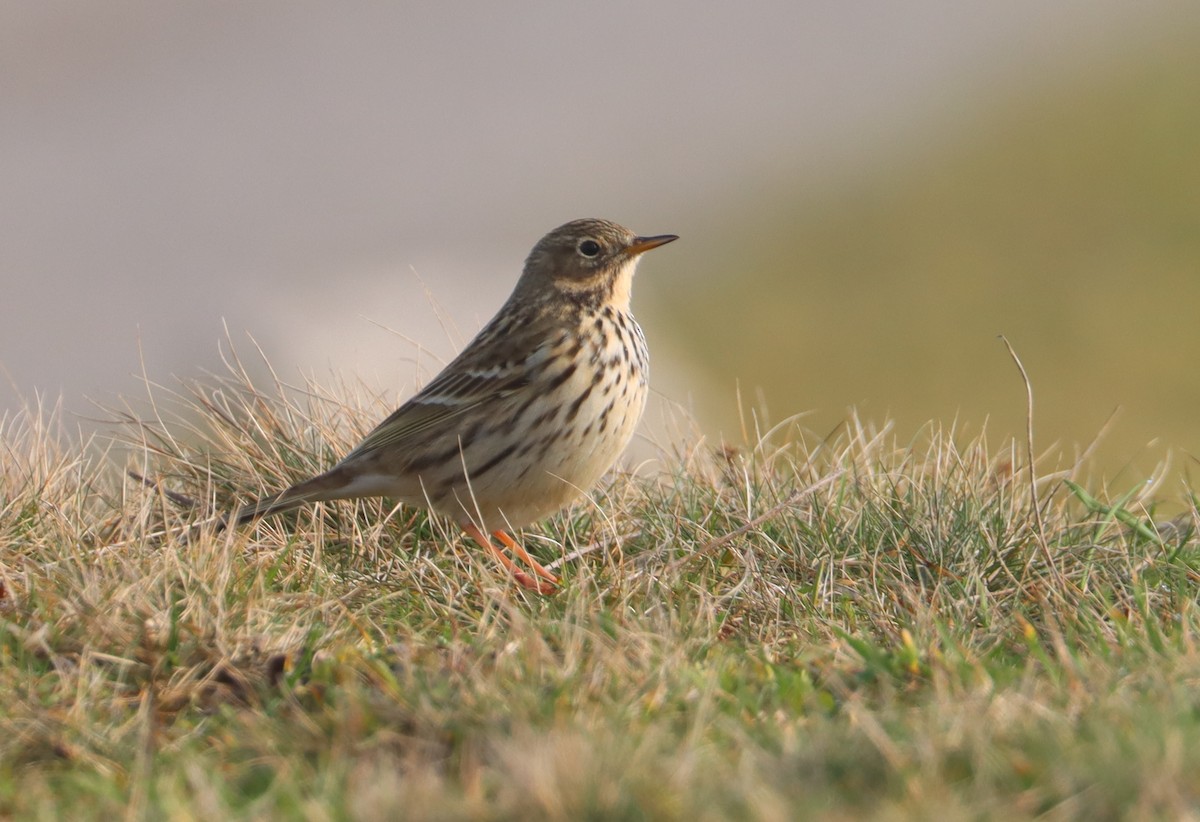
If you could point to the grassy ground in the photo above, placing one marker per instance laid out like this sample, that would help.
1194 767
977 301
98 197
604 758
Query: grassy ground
835 628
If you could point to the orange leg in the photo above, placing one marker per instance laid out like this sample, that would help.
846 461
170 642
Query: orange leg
523 555
523 579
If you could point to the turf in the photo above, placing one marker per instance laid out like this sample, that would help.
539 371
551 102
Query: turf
852 625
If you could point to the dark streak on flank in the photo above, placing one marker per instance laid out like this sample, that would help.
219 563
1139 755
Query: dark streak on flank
604 417
573 411
557 382
432 459
545 417
494 461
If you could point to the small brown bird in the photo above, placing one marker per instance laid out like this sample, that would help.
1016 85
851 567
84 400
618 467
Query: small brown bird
531 413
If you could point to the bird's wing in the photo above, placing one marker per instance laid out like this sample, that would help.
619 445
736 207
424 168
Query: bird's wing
500 361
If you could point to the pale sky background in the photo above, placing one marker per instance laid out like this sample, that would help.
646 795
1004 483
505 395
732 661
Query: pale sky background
311 173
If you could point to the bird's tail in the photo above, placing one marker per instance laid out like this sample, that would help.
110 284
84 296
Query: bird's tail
318 489
265 507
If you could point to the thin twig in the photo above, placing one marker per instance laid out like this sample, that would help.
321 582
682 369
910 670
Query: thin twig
589 549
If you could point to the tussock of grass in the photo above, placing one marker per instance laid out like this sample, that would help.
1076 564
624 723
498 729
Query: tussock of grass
834 626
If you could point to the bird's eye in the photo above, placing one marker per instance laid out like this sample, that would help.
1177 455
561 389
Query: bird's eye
589 248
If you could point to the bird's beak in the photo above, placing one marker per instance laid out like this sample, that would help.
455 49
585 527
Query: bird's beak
642 244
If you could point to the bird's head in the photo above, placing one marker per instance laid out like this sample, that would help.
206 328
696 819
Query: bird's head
586 261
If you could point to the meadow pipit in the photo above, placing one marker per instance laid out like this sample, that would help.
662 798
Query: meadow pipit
531 413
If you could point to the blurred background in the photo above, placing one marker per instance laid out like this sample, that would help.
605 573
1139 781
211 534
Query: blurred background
868 194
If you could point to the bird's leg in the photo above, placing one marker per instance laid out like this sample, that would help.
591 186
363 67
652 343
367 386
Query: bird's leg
523 579
518 549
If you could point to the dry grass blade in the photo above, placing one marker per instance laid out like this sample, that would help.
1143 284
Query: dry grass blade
714 545
883 642
1031 467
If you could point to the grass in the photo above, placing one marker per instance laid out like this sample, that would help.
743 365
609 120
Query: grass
808 627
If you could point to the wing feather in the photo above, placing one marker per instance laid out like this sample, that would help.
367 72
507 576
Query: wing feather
500 361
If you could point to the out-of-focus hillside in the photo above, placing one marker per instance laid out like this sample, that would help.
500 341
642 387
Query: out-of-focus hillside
1064 216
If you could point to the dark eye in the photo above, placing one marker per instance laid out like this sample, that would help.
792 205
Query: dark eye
589 248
